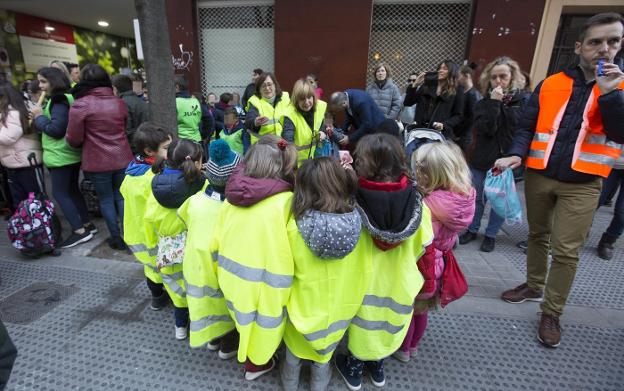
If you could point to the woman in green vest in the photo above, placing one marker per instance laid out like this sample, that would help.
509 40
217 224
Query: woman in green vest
250 245
265 108
333 259
62 160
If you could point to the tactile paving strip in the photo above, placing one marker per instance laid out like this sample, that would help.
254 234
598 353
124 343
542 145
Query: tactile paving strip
34 301
98 340
597 283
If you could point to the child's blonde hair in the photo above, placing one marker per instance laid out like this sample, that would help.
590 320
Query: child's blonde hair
271 157
439 165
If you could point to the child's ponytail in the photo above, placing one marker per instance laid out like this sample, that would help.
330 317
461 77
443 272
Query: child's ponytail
182 155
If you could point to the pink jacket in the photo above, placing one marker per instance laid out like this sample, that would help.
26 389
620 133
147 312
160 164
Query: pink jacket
450 213
14 145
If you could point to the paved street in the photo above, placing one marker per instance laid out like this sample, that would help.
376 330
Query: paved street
85 325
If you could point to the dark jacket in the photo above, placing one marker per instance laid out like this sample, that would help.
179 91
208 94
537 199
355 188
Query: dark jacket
249 91
560 162
494 125
97 122
207 122
137 112
56 125
8 354
363 115
431 108
219 113
463 132
170 188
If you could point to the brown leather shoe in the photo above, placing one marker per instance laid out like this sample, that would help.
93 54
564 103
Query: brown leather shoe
549 333
520 294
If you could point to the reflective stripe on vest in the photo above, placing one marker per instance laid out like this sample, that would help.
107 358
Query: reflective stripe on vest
139 248
593 153
376 325
207 321
171 281
336 326
199 292
264 321
265 109
252 274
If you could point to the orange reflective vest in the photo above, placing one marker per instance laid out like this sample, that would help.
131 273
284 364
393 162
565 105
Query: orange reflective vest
593 153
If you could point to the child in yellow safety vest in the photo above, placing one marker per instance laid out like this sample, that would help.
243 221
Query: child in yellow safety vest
398 223
250 246
177 178
333 259
151 142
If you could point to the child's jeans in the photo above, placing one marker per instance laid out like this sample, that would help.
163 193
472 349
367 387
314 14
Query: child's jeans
320 374
416 330
181 317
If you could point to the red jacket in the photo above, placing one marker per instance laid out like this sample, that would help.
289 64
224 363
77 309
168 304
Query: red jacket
97 122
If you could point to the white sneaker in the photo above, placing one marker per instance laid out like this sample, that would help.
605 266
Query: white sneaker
181 333
254 375
227 355
213 345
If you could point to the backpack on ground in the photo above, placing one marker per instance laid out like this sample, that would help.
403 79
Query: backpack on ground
34 229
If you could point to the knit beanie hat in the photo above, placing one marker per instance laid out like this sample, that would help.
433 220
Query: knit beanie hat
221 164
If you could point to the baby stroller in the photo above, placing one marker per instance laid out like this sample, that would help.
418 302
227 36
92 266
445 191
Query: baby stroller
415 137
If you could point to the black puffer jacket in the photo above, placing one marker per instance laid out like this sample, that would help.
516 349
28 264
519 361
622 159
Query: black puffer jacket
560 161
493 128
171 190
431 108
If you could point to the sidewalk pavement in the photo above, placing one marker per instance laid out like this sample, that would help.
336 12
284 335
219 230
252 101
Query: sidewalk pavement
83 322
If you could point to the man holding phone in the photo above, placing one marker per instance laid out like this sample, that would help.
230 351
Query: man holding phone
569 137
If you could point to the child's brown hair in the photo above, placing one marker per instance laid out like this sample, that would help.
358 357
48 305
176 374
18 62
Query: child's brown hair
182 155
322 184
380 158
271 157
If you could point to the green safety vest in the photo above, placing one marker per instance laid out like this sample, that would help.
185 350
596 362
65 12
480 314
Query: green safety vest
234 140
326 294
208 311
56 152
306 138
189 118
381 323
136 191
265 109
163 221
255 275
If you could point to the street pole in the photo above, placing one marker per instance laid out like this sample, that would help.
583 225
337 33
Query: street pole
158 64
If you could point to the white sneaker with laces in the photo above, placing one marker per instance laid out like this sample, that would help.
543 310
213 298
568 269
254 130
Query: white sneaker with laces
181 333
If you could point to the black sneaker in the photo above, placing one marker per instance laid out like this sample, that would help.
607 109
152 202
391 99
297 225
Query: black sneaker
117 243
91 228
467 237
350 369
376 371
158 302
488 244
75 239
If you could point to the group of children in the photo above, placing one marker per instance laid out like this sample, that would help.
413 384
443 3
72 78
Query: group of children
257 251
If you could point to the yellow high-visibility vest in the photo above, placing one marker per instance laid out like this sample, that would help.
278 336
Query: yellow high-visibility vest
306 139
255 272
208 311
379 327
274 114
326 294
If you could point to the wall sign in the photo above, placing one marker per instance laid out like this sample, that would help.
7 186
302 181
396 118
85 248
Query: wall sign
43 41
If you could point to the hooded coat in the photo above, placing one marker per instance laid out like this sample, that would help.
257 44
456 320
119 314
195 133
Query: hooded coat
333 260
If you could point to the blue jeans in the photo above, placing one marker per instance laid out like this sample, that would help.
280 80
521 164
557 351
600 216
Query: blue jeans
495 222
107 186
616 228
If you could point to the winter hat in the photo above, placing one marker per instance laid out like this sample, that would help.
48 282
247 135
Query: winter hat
221 164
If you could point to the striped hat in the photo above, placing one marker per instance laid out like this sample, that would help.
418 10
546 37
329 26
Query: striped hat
221 164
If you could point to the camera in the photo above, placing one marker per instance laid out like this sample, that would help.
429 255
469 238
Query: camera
431 79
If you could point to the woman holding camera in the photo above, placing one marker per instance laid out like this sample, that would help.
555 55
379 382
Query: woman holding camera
439 99
495 120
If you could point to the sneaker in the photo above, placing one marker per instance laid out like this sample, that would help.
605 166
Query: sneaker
91 228
252 371
350 369
228 346
401 355
158 302
488 244
376 371
549 332
181 333
467 237
213 345
520 294
75 239
117 243
413 352
606 246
